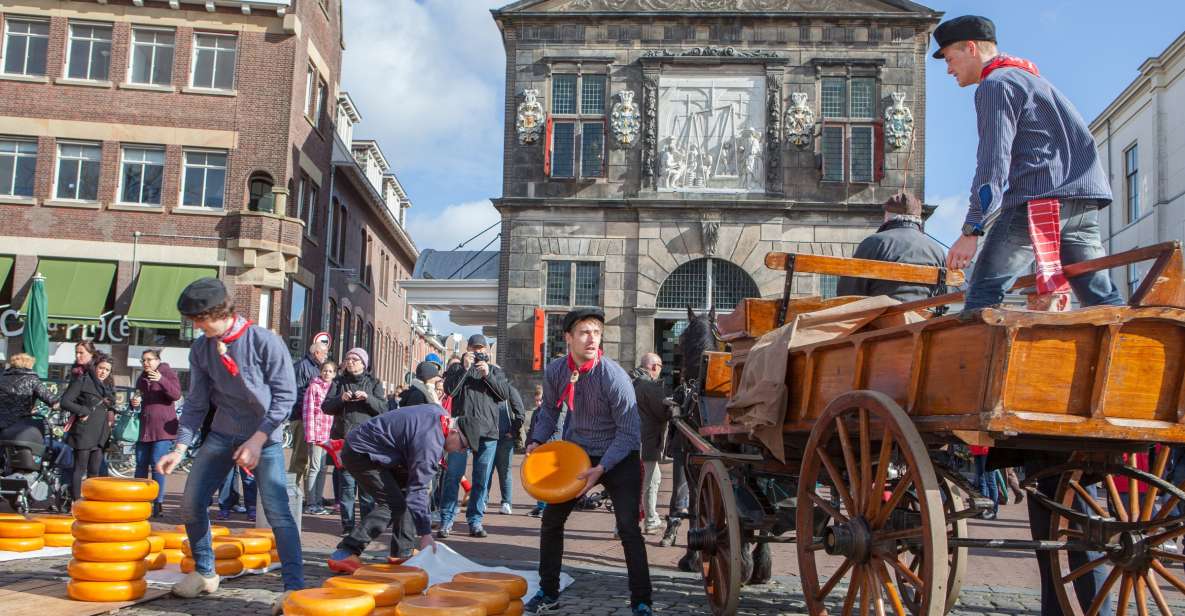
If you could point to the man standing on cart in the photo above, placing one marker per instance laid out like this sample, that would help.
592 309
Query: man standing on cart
1040 185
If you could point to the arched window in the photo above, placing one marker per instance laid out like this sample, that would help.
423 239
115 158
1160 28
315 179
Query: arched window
706 283
260 197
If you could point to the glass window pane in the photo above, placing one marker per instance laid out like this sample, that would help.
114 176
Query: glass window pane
730 284
861 153
38 50
153 181
88 189
14 63
592 94
162 66
141 64
686 286
834 97
192 192
215 186
559 283
588 283
224 72
203 69
563 94
79 57
592 150
833 153
67 179
100 61
7 171
556 346
863 91
563 150
26 170
131 183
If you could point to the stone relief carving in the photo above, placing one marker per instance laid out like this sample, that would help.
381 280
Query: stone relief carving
800 122
710 228
710 134
529 122
625 119
898 122
650 127
725 52
683 5
773 152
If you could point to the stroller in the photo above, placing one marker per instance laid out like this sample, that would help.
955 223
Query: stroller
32 456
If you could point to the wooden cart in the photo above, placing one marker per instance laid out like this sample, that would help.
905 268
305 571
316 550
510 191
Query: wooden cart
867 490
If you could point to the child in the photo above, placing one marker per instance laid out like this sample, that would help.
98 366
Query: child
316 431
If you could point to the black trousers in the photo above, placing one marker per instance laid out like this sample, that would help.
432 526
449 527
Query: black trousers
624 484
388 489
87 463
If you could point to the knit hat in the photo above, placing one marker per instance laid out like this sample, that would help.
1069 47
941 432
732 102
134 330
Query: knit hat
360 353
427 370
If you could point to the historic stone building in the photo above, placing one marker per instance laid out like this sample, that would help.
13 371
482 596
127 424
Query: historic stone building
656 150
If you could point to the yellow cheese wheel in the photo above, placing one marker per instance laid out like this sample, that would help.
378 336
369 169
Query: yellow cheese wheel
514 609
223 548
173 555
156 561
252 544
110 551
259 532
426 605
256 561
106 572
106 592
20 529
100 511
111 531
215 530
414 579
385 591
116 489
55 524
514 585
549 473
58 540
492 597
22 544
227 566
173 539
328 602
12 516
156 542
275 554
390 610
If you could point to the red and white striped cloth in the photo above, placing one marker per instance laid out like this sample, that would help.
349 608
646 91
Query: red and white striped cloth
1046 233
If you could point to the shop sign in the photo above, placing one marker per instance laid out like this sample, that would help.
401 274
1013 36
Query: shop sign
111 328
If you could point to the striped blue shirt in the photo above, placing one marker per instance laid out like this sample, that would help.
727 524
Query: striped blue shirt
1033 144
605 421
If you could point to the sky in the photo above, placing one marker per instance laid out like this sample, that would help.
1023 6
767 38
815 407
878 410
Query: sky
428 78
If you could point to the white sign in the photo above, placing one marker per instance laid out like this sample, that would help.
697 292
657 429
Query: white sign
111 327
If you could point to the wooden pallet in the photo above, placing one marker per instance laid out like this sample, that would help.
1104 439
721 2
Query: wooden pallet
43 597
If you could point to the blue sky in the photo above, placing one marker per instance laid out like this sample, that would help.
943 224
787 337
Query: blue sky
428 78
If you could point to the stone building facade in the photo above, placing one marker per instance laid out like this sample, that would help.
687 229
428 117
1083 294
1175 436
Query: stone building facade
656 150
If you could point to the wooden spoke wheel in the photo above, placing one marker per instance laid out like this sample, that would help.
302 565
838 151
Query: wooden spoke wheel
956 527
1135 566
716 534
866 449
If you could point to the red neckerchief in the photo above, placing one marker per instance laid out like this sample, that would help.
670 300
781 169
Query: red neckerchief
236 331
1003 61
569 394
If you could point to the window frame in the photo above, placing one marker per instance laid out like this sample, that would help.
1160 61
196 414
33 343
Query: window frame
185 174
58 171
69 55
16 155
571 275
296 343
579 118
8 20
123 149
132 44
195 53
849 75
1131 182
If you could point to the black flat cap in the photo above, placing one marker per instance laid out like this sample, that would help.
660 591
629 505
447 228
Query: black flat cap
427 370
580 314
965 28
200 296
478 340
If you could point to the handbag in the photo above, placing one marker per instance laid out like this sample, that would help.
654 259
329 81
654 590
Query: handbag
127 427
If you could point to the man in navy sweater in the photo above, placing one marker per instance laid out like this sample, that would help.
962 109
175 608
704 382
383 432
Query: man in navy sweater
244 371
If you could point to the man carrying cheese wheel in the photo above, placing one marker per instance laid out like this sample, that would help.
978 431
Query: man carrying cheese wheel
244 371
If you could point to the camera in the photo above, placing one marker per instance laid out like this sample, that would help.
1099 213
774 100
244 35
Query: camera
481 357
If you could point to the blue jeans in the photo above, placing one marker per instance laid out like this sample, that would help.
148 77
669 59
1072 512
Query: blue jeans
987 481
1008 252
147 455
483 466
502 458
349 494
226 494
210 468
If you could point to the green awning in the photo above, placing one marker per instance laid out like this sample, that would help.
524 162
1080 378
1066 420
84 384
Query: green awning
77 290
5 268
155 301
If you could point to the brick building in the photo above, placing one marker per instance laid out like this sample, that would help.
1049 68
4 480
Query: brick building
656 150
144 143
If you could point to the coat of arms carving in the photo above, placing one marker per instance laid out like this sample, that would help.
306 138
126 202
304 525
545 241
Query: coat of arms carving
800 122
898 122
529 122
625 119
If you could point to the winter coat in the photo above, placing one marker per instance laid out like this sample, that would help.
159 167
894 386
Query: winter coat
158 405
349 414
655 415
897 241
306 370
416 393
20 389
477 397
89 400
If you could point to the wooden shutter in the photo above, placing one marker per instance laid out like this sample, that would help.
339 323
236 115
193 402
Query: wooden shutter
540 340
547 147
878 151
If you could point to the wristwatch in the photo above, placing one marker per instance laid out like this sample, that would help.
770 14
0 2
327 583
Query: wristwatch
970 229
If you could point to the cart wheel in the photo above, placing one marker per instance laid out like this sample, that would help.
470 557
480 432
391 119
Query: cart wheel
875 532
716 533
1137 560
953 505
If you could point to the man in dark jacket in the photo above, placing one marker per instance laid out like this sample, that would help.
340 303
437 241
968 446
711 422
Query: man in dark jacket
354 398
650 392
423 387
476 387
307 369
899 240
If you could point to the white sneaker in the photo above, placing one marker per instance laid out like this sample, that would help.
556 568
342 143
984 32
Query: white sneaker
507 509
194 584
278 605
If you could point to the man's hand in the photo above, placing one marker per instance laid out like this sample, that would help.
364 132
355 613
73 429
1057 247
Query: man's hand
532 446
467 360
591 477
168 462
426 541
247 455
483 369
962 252
360 396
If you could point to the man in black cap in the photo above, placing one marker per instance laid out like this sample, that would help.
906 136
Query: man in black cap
422 389
597 397
476 387
1039 183
901 239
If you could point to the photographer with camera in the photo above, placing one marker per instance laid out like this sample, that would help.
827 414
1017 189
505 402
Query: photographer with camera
476 387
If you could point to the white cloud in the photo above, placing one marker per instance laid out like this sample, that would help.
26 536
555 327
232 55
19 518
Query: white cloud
456 223
946 223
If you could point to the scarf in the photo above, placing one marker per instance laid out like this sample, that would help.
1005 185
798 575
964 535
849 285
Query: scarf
569 394
236 331
1003 61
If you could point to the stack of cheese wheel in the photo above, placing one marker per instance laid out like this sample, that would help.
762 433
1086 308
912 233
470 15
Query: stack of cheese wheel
328 602
173 541
57 530
514 585
20 534
257 551
414 579
228 555
491 597
265 532
111 539
387 592
427 605
156 553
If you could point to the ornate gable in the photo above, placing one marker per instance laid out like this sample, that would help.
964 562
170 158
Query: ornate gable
787 7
